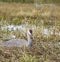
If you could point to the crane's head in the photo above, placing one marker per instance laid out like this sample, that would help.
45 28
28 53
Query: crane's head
30 34
30 31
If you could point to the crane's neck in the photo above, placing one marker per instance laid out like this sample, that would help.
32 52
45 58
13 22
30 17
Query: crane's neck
29 39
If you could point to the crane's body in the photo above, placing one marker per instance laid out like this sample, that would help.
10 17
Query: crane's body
18 42
15 43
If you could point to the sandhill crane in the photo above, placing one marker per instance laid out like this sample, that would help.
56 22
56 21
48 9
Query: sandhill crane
19 42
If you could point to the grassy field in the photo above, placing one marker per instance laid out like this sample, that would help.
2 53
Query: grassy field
44 48
20 11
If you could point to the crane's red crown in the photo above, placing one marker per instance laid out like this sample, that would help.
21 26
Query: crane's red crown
30 31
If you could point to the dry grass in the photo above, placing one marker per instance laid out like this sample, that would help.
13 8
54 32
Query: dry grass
44 49
13 9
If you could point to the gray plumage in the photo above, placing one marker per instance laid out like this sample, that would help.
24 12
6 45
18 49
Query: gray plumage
15 43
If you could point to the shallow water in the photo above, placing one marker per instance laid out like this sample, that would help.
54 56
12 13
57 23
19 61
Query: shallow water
19 27
24 28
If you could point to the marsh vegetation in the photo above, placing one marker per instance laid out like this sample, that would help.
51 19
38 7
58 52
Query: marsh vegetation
44 20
